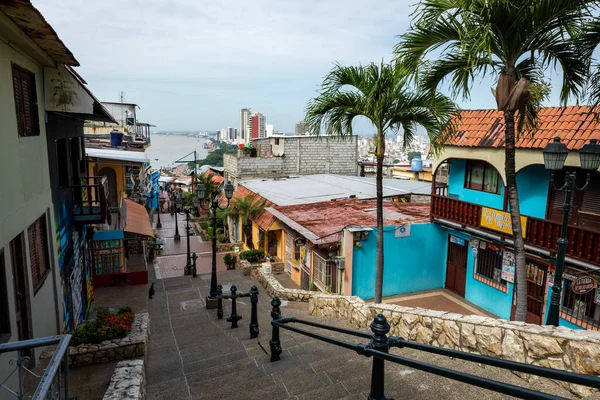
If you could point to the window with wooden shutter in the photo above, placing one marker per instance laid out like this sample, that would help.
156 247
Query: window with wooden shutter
38 252
25 102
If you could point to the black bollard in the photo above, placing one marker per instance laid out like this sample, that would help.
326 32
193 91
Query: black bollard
234 318
275 343
219 301
194 258
254 317
379 341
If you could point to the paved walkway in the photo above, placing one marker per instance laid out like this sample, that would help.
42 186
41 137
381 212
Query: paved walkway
193 355
440 300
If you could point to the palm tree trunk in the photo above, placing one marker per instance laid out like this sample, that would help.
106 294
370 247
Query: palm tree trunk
380 152
515 215
248 234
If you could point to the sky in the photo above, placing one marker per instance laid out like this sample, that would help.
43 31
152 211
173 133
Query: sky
192 65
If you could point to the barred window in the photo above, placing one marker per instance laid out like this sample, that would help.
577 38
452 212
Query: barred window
38 252
321 272
582 309
488 267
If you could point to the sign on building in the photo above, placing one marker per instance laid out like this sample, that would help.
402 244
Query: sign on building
402 230
457 240
500 221
583 285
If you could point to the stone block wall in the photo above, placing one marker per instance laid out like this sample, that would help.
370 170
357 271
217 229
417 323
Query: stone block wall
128 382
131 346
547 346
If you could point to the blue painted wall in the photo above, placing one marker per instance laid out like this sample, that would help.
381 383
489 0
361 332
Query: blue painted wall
561 322
533 184
411 263
456 187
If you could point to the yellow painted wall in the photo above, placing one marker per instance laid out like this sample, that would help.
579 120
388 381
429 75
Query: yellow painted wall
255 231
94 167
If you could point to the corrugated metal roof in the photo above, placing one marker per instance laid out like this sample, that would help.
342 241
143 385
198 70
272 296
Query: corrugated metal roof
575 125
324 187
33 24
319 222
123 155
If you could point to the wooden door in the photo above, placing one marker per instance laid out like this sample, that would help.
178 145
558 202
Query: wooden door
536 291
456 265
304 279
273 243
17 247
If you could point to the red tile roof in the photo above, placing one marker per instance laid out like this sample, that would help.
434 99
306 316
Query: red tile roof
327 218
485 128
265 219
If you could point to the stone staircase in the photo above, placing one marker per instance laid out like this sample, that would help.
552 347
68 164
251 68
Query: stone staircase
193 355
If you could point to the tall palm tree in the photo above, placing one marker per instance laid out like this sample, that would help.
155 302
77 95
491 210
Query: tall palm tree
514 39
247 208
384 96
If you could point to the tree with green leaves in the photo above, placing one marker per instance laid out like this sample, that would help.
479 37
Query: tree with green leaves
247 208
412 155
384 96
516 40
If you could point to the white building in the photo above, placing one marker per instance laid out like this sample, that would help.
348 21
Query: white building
269 128
223 135
245 132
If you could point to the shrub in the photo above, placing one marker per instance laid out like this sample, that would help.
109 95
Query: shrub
230 260
107 326
223 239
252 256
203 225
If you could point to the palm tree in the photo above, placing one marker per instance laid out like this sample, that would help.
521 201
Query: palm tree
384 96
247 208
514 39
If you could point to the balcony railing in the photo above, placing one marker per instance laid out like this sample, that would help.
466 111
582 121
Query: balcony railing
53 382
90 201
584 243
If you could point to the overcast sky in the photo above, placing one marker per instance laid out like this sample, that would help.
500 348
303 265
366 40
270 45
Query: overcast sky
191 65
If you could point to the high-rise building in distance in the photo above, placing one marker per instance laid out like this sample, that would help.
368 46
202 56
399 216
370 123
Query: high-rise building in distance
245 132
300 128
258 126
231 134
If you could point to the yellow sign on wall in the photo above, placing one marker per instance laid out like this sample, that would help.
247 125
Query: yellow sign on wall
500 221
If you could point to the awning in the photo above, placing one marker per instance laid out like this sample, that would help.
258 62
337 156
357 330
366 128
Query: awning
123 155
137 219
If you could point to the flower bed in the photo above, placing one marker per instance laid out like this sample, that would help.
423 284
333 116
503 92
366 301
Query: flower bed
107 326
131 346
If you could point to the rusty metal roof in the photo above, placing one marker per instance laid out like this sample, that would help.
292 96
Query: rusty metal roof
323 220
33 24
575 125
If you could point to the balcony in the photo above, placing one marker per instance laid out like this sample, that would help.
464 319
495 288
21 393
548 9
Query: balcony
584 243
90 201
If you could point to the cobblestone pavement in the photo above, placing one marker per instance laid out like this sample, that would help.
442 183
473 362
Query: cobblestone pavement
194 355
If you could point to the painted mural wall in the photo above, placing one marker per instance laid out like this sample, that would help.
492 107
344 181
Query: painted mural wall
411 263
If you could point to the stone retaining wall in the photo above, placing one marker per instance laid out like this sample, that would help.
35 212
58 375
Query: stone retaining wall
131 346
128 382
227 247
547 346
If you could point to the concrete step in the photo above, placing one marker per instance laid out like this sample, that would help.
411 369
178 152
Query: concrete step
263 388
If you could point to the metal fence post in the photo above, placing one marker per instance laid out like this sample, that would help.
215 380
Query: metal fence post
379 341
234 318
275 343
65 373
194 271
219 301
254 317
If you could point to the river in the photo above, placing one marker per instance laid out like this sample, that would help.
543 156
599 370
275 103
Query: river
166 149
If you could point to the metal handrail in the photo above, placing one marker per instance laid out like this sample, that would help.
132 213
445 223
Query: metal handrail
380 343
58 364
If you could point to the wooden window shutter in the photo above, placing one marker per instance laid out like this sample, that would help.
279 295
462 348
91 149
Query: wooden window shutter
38 251
25 102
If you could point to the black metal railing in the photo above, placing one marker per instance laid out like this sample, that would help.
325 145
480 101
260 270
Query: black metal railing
380 343
234 317
54 381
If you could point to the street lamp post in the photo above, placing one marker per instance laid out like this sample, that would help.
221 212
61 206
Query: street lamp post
209 201
175 198
158 207
555 155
